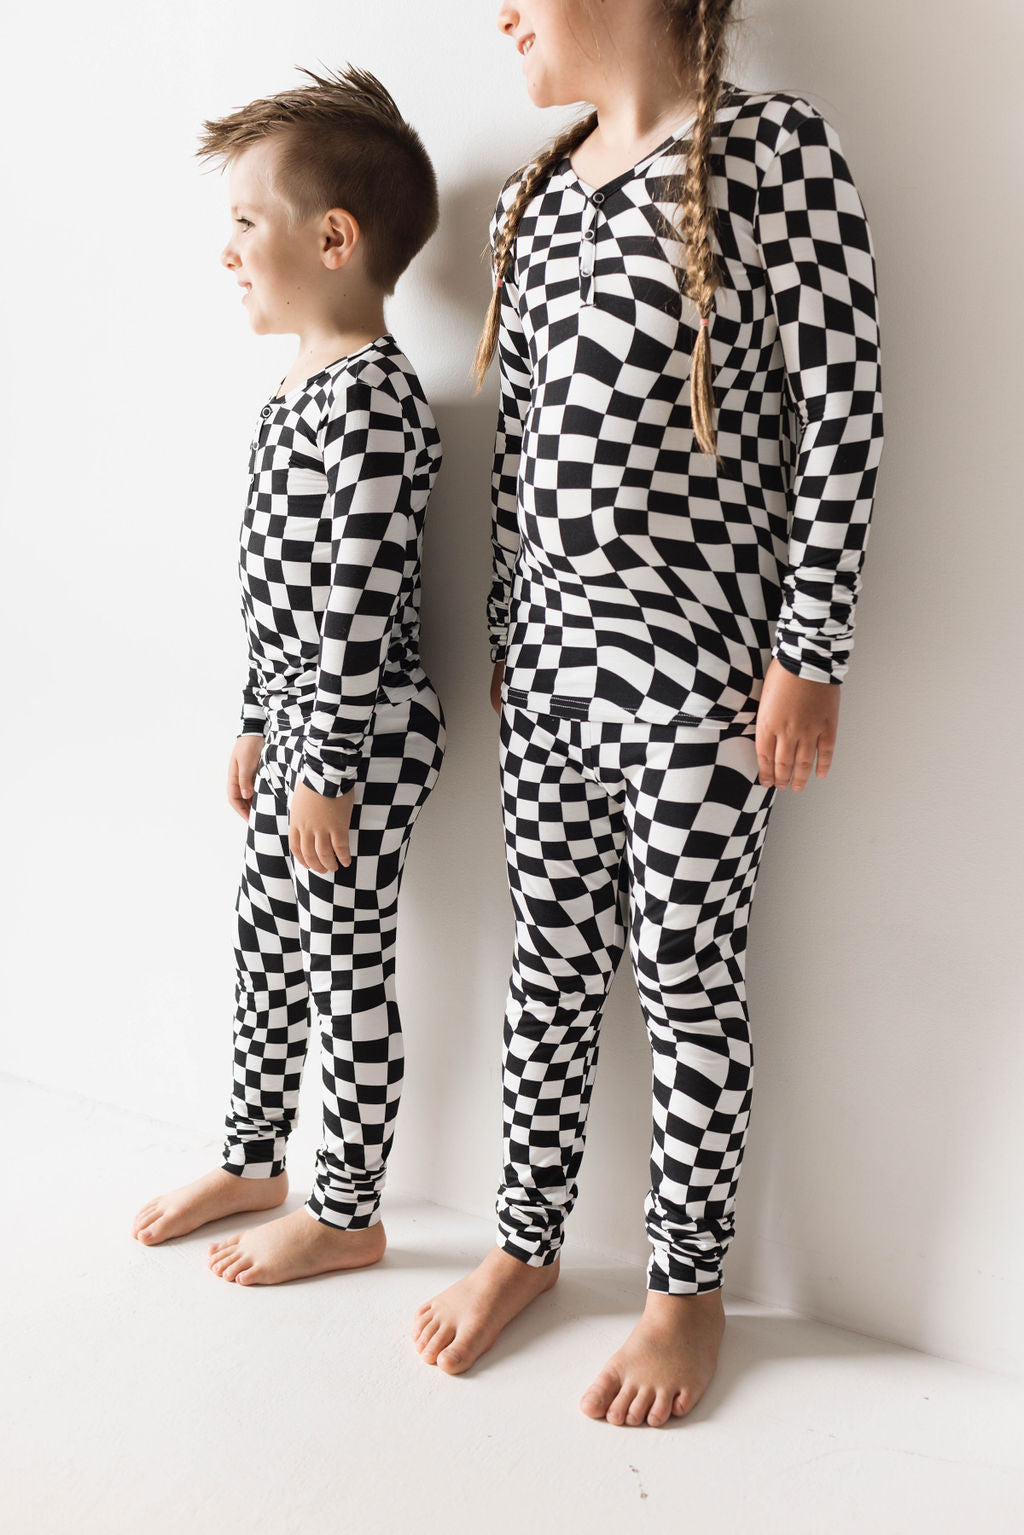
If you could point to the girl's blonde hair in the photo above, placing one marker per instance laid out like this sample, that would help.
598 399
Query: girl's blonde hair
696 32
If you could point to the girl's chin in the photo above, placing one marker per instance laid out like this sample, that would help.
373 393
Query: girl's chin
543 94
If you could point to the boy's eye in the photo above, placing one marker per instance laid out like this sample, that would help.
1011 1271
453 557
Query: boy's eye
244 221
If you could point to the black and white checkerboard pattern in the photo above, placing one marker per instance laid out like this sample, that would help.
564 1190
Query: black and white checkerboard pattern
341 470
328 940
633 577
653 832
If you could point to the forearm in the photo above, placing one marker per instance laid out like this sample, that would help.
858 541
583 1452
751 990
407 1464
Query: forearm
838 458
253 718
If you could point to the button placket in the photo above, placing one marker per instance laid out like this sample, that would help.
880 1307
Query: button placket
588 241
265 415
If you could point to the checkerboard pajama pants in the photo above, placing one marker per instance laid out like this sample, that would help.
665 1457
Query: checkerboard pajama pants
329 940
655 831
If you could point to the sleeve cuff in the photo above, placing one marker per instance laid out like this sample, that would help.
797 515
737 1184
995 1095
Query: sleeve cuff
331 782
811 669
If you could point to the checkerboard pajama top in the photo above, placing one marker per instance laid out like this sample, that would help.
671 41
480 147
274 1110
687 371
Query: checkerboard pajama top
340 475
633 577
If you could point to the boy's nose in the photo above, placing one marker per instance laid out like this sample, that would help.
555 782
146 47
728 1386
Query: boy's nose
508 17
228 258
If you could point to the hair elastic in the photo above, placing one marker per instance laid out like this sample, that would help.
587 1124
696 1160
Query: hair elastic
705 321
499 282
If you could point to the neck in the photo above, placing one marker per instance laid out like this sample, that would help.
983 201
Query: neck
333 336
639 95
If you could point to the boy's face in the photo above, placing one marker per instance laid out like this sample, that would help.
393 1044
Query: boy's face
277 261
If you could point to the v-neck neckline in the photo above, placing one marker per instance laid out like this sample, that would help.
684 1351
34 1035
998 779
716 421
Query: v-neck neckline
611 186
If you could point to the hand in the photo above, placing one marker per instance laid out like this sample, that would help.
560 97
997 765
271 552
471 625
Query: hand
496 676
796 718
242 765
318 829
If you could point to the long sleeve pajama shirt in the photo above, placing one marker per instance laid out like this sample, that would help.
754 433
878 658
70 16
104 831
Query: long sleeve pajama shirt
633 577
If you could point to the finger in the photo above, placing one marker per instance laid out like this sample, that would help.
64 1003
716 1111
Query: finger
765 748
802 765
826 749
784 754
236 801
325 852
341 848
295 845
309 853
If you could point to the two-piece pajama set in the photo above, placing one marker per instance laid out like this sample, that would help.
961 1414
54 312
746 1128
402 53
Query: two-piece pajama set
341 470
640 591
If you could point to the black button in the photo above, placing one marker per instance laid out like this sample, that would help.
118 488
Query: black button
598 197
265 411
588 234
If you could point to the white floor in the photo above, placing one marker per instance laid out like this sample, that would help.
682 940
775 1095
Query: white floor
143 1394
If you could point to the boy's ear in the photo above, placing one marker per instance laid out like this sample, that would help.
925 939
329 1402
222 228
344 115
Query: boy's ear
339 236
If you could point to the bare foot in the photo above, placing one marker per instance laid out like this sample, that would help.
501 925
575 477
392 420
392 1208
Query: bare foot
215 1194
294 1246
461 1323
665 1365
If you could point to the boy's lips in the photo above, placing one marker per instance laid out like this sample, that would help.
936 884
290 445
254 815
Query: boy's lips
246 288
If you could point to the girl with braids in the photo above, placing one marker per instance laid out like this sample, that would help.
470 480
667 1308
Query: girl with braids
689 433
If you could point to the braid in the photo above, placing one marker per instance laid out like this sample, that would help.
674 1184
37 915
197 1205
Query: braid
536 173
697 208
696 30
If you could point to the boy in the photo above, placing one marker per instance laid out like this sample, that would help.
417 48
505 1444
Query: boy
342 733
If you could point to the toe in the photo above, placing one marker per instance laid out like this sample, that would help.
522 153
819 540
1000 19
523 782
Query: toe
661 1410
427 1337
621 1404
640 1406
422 1320
681 1404
598 1399
454 1357
143 1217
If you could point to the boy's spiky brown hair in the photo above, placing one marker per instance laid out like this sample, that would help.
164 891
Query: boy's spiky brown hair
342 144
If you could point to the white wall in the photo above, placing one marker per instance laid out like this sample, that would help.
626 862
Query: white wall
881 1182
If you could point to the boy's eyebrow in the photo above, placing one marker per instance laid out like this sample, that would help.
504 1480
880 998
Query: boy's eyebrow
237 207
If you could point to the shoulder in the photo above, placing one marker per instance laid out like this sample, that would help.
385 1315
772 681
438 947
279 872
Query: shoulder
755 127
367 380
383 388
